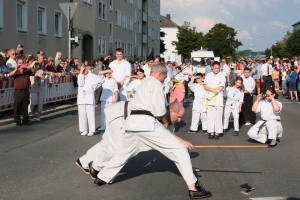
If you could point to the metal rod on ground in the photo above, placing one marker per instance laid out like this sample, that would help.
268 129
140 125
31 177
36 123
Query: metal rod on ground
229 146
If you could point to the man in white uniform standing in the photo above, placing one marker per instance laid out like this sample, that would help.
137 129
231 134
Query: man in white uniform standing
121 71
144 132
266 72
214 84
225 70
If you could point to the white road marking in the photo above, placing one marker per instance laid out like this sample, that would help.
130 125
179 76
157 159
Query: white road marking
269 198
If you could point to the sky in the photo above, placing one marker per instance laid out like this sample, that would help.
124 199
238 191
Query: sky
250 18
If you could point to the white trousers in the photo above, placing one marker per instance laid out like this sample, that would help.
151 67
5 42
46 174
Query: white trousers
215 119
162 140
271 130
123 94
86 115
196 116
36 98
103 151
103 116
235 113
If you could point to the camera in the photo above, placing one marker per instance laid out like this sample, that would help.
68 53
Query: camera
264 96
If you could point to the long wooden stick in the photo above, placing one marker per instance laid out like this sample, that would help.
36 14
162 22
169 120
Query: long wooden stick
229 146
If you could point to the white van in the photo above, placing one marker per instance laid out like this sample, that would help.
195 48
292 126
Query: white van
198 59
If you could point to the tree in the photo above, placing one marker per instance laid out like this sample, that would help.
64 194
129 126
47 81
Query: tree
188 40
221 39
162 47
293 43
280 49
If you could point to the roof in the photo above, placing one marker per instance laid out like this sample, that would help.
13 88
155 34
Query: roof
296 23
165 21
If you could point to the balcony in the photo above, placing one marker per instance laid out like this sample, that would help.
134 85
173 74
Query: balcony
145 17
144 39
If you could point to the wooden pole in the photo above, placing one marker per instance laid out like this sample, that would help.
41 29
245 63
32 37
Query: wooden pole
229 146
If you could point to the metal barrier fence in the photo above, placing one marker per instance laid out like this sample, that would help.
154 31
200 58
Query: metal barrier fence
62 89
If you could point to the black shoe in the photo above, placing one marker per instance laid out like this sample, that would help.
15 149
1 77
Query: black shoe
216 137
190 131
200 192
78 163
210 136
270 145
236 133
205 132
18 124
99 182
27 123
93 172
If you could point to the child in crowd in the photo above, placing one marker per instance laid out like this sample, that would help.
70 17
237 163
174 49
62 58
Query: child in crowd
235 99
109 96
177 91
198 109
133 85
275 78
283 81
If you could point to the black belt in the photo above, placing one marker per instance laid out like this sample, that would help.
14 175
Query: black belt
267 75
264 122
141 112
20 90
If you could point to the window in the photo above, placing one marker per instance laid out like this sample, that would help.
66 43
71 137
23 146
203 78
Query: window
102 46
149 12
123 19
1 14
149 32
135 39
110 33
131 24
149 50
135 15
58 23
21 15
88 2
118 44
140 4
118 18
125 49
111 5
41 19
102 10
139 28
139 50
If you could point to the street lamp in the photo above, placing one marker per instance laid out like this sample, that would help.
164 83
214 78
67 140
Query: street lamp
267 37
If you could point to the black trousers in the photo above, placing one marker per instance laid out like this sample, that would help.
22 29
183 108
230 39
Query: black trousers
267 81
247 114
21 101
186 88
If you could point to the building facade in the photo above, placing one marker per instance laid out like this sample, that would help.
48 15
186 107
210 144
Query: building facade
296 26
170 30
109 24
133 25
36 24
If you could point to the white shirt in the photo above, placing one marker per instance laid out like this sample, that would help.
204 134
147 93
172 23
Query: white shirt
215 81
149 97
86 88
264 69
266 110
180 77
200 93
188 70
225 70
120 70
249 84
109 87
133 86
234 97
146 70
11 63
283 75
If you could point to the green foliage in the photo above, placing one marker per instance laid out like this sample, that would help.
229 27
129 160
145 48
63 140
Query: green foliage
293 43
221 39
188 40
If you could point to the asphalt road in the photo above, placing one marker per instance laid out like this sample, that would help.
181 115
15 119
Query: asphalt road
38 162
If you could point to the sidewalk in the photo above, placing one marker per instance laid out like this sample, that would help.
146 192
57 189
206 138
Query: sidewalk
7 117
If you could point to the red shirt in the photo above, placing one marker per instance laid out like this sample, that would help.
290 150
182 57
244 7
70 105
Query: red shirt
21 79
237 67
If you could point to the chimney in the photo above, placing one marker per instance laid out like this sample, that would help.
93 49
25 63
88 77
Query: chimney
168 16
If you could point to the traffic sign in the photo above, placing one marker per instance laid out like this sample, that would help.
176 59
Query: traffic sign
168 57
65 8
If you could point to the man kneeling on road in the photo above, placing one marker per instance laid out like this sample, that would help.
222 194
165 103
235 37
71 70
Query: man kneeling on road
144 132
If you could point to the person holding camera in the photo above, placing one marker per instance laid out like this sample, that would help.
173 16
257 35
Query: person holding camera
269 127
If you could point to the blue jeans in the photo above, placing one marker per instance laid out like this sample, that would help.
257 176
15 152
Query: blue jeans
283 86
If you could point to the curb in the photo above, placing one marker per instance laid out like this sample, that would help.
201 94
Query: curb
47 112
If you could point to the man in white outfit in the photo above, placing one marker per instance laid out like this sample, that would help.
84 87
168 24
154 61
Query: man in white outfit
225 70
121 71
214 84
87 84
145 132
270 126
